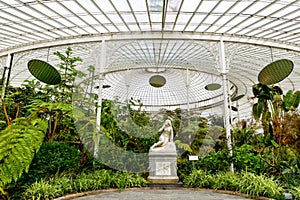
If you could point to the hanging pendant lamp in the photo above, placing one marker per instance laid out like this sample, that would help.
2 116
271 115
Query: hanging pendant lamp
275 72
44 72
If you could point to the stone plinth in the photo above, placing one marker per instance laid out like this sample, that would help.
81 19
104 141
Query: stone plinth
163 164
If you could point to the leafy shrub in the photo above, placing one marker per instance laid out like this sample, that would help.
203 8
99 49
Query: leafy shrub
52 158
216 162
246 158
296 192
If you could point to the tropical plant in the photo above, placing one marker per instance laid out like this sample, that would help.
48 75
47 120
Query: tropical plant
68 71
273 107
18 144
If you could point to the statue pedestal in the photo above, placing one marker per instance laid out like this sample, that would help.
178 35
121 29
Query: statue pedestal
163 164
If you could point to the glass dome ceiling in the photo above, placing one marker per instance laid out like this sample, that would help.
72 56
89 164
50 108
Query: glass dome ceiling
176 39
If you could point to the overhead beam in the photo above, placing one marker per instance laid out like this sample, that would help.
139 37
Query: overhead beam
150 35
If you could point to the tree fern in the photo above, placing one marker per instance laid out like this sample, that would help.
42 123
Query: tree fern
18 144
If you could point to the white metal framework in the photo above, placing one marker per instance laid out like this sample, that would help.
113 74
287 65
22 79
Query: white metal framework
178 39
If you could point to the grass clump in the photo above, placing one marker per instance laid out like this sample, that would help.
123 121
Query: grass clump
243 182
100 179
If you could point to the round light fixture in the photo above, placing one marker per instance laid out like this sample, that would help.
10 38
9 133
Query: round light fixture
275 72
157 81
235 98
44 72
213 86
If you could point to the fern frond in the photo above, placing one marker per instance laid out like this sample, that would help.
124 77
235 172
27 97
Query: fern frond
18 144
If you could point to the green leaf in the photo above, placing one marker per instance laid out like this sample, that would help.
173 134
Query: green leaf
274 143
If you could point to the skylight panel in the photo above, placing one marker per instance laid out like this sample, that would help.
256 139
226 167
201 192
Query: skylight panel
223 6
272 23
292 16
17 14
210 19
142 17
9 17
57 32
156 27
31 12
80 31
156 16
101 29
138 5
240 6
202 28
224 19
285 11
20 28
268 34
105 5
214 28
283 35
190 5
90 30
72 5
41 36
207 6
59 9
183 18
171 17
283 27
255 32
76 21
111 28
236 20
260 22
88 5
121 5
255 7
89 19
145 27
65 22
234 30
248 22
191 27
272 8
102 18
294 28
133 27
122 27
51 23
128 18
197 18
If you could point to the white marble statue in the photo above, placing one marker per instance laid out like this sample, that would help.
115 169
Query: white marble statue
166 137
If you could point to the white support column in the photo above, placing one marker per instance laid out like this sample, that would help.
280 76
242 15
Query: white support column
101 64
188 90
224 72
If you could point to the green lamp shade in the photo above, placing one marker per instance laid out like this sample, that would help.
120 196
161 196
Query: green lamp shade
213 86
233 108
237 97
44 72
275 72
157 81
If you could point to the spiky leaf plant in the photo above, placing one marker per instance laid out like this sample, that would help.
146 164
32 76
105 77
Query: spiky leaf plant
18 144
